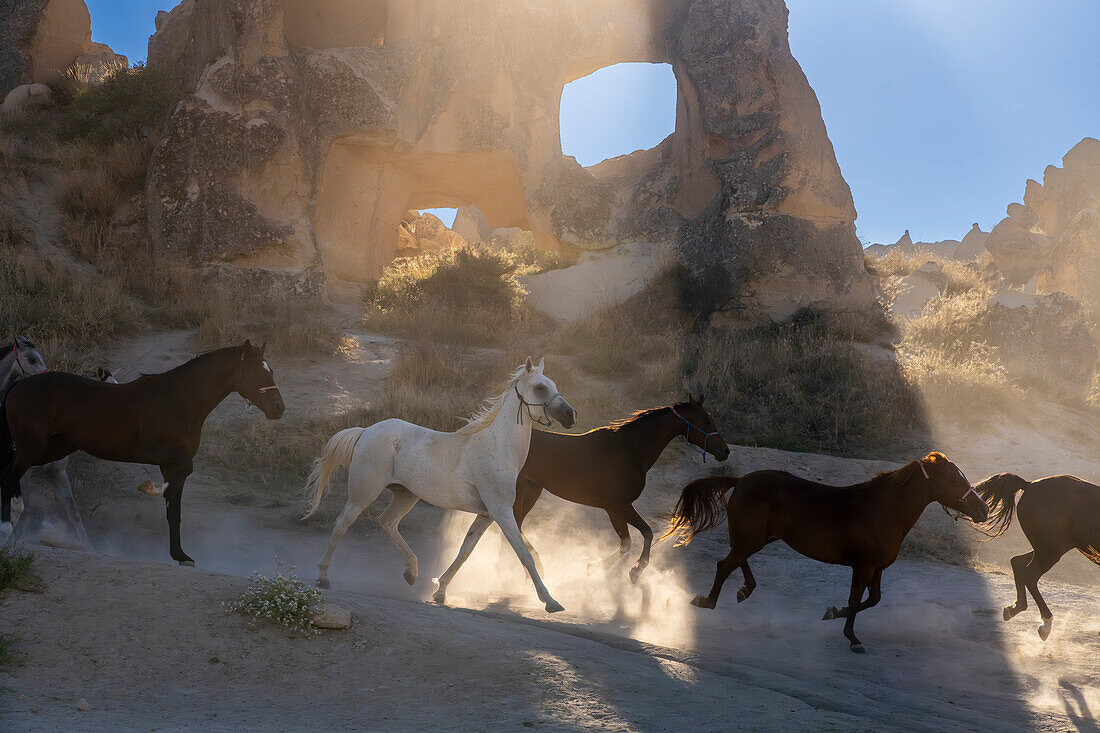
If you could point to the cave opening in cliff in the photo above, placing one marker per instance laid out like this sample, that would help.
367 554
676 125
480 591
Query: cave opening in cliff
617 110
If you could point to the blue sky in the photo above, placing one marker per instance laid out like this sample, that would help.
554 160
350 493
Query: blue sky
939 110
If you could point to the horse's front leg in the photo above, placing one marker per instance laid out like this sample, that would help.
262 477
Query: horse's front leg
64 492
618 523
9 490
642 526
502 513
861 576
176 474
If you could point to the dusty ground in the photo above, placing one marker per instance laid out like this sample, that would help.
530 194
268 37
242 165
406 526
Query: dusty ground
148 645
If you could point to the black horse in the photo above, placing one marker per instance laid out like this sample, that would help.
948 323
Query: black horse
155 420
1057 514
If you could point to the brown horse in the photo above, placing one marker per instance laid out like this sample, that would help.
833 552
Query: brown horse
605 468
1057 514
156 420
861 526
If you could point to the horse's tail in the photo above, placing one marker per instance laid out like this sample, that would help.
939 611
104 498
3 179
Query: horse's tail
1091 553
1000 493
701 506
7 452
337 454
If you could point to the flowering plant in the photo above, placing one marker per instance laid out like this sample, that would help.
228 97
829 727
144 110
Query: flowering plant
283 599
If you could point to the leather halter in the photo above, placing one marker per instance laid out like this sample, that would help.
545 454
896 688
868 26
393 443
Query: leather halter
687 435
958 512
524 403
261 390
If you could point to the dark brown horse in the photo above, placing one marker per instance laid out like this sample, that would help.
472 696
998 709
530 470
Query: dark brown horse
606 468
1057 514
154 420
861 526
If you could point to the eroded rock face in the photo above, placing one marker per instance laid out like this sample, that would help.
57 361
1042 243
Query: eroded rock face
1053 237
312 126
41 39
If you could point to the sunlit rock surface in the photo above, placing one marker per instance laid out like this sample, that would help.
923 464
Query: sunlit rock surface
309 128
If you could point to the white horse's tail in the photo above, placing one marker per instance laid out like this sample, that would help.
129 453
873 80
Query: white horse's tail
337 454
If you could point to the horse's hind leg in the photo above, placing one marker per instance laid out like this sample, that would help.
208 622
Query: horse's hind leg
749 585
618 521
1041 563
9 489
477 529
1018 563
402 503
725 566
64 492
861 576
347 517
176 474
874 595
640 524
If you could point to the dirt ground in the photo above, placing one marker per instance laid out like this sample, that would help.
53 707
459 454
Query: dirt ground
149 646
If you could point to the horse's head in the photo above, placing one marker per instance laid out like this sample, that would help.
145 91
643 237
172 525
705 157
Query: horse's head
700 429
950 487
256 382
538 392
104 375
26 360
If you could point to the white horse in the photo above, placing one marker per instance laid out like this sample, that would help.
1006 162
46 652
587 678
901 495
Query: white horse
472 470
19 360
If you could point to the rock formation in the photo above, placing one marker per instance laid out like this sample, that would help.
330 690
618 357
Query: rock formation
309 127
972 246
41 39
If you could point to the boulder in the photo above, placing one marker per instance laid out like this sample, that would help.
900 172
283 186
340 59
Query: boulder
41 39
377 108
332 617
471 225
972 245
911 292
27 96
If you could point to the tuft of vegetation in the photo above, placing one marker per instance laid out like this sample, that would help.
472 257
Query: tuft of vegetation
958 276
283 599
15 566
811 383
457 295
129 104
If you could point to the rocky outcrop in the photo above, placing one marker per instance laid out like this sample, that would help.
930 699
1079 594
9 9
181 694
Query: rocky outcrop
311 126
41 39
947 248
972 246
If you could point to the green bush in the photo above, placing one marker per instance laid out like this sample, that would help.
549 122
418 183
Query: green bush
15 566
453 295
128 105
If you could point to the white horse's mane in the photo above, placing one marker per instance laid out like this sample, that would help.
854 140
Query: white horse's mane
484 417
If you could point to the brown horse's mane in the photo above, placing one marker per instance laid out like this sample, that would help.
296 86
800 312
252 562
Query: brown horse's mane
897 478
190 361
636 417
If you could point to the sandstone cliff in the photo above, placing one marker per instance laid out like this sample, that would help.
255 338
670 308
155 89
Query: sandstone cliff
310 127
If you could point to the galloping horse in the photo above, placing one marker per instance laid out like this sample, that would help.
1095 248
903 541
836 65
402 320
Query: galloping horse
605 468
1057 514
861 526
472 470
156 420
19 360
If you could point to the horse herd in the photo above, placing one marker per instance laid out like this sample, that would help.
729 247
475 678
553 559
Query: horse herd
496 467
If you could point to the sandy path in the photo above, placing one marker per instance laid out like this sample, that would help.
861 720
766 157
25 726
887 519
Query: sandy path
136 638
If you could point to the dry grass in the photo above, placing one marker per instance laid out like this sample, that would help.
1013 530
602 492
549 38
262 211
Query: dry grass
463 295
960 277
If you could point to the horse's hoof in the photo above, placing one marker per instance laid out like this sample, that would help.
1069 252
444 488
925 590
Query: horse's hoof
830 613
635 573
323 583
702 602
1044 630
553 606
741 595
152 489
858 648
439 597
410 575
187 563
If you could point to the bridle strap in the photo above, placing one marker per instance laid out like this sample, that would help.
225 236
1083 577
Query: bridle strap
261 390
687 434
969 491
545 420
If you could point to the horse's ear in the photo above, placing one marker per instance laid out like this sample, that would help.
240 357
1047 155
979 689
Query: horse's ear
542 363
529 365
247 344
263 348
702 398
100 373
691 398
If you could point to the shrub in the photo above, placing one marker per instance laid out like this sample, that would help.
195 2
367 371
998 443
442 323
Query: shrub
283 599
128 105
960 276
803 385
461 294
15 566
